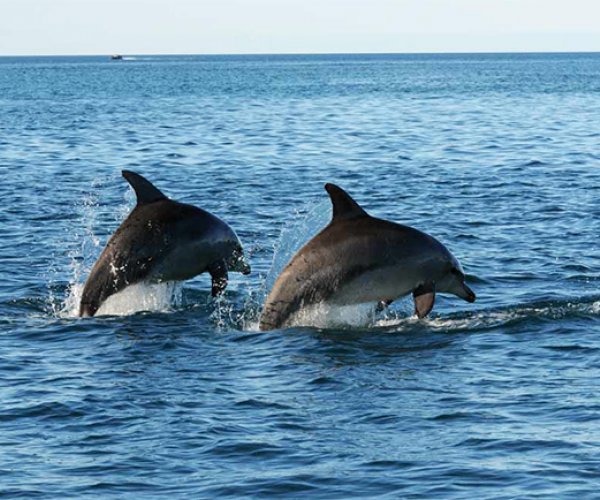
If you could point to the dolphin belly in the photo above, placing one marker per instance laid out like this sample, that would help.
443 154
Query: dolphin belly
381 284
297 289
184 262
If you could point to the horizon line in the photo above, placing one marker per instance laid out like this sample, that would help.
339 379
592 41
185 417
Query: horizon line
482 52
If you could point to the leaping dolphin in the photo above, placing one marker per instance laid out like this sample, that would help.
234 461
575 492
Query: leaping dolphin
360 259
162 240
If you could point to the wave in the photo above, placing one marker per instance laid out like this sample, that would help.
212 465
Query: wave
240 311
511 315
366 316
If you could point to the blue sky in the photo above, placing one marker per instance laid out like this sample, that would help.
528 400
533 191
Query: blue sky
296 26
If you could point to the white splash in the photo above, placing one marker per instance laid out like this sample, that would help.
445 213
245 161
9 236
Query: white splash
306 224
83 245
70 307
457 321
156 297
325 315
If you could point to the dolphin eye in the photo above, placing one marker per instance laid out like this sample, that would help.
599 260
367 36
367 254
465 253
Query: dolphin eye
457 272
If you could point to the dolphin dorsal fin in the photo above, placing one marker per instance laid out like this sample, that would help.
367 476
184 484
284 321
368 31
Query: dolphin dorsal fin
144 189
344 207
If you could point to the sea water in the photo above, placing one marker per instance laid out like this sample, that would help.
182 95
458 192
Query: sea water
173 393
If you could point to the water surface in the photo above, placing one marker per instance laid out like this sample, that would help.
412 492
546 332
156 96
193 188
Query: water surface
495 155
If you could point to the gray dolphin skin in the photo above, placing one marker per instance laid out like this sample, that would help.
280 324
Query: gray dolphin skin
162 240
360 259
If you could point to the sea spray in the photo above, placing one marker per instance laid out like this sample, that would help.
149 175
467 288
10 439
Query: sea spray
156 297
306 223
323 315
84 245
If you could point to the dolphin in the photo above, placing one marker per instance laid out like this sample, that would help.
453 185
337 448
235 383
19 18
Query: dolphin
162 240
360 259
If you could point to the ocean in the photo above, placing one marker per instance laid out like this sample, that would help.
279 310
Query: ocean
174 393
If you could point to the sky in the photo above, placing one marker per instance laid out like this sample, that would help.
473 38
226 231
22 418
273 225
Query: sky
78 27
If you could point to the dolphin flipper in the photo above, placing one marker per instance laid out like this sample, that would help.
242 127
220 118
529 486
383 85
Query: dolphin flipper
424 297
218 274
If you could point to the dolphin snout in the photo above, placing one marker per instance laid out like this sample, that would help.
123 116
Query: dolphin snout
237 262
460 289
242 266
469 295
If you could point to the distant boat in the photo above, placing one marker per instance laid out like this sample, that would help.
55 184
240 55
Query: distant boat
116 57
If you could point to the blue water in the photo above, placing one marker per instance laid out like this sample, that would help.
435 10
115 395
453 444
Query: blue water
498 156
